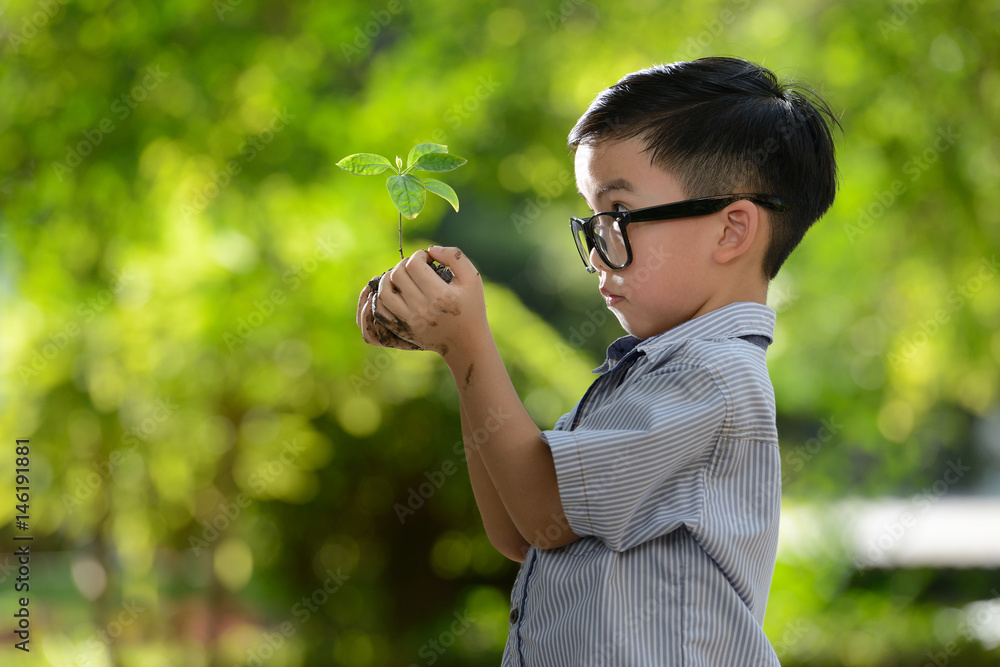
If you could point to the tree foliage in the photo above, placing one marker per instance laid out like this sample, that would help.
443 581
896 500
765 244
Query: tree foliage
223 472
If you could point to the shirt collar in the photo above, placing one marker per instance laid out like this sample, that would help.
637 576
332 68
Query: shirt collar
734 320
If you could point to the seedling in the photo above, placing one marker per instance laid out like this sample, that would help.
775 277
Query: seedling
407 190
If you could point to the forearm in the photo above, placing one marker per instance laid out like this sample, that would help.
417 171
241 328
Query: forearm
500 529
511 468
507 446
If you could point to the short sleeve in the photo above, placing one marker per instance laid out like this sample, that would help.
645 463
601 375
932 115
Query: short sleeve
635 467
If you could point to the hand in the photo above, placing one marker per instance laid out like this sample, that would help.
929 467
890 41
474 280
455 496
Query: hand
416 306
373 332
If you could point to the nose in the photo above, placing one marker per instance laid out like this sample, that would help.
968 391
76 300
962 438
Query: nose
596 262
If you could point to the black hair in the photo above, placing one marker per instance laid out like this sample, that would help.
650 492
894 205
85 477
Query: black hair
722 126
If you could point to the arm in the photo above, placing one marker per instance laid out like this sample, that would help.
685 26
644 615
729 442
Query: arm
510 449
509 464
502 532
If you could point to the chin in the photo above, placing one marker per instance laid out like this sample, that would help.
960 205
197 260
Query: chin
651 319
646 329
632 328
622 320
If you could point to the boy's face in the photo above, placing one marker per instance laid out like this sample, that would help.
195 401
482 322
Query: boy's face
670 279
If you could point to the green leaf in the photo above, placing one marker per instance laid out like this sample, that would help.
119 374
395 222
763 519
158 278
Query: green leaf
365 164
423 149
442 190
407 193
438 162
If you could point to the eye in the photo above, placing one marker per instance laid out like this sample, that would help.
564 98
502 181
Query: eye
619 207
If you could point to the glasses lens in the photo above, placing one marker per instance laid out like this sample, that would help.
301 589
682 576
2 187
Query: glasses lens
610 242
582 244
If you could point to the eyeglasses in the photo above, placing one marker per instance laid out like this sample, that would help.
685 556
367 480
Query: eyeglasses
607 231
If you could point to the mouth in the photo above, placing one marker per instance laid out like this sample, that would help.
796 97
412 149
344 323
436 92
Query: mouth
610 298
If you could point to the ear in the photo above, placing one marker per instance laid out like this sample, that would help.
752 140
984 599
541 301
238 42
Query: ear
741 224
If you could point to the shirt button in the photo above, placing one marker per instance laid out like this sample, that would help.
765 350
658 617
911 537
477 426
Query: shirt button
513 616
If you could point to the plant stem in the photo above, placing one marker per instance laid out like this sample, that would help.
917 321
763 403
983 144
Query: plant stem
401 236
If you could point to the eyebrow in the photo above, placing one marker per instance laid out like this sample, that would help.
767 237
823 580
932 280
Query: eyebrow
617 184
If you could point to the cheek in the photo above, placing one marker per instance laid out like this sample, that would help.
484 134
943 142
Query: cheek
652 256
663 274
671 246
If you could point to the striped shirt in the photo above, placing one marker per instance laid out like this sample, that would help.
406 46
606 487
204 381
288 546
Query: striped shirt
668 469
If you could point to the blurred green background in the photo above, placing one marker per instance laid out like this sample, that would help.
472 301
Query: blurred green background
222 473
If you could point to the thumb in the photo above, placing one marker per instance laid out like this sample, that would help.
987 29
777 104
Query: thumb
454 259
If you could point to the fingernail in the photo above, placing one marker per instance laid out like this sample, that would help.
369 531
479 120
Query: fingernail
434 247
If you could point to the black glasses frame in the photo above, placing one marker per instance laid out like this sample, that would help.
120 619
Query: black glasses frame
689 208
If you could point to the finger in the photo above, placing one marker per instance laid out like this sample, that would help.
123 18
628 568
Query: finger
388 290
362 301
380 309
374 333
455 260
402 277
420 264
366 322
390 301
385 315
387 335
386 338
424 274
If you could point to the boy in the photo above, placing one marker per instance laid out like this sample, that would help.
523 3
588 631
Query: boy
646 521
